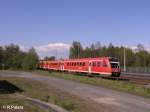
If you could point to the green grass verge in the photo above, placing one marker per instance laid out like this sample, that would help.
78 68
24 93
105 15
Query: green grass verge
7 100
46 93
124 86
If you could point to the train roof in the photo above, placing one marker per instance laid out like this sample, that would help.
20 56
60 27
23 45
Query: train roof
86 59
82 59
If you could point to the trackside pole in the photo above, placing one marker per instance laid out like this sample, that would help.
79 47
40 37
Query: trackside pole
124 59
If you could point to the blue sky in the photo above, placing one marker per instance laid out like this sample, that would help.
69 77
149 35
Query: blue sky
41 22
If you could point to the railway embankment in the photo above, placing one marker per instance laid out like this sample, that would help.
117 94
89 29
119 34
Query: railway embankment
129 86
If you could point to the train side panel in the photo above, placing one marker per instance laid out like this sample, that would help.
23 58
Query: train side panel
102 66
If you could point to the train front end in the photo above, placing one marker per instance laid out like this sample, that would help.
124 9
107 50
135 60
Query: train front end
115 67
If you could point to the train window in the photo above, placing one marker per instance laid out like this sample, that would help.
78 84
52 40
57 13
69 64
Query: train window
99 64
114 65
80 64
94 64
104 64
83 63
75 64
90 64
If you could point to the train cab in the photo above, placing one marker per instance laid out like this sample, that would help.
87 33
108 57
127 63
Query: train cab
115 67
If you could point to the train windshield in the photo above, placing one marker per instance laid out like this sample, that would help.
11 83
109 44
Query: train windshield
114 65
114 62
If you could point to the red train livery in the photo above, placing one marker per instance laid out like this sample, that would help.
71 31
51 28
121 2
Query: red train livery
103 66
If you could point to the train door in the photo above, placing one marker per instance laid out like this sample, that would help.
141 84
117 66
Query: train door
62 66
90 64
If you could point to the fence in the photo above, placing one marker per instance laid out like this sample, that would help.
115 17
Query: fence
138 70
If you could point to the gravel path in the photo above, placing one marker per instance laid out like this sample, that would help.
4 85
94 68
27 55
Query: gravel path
110 100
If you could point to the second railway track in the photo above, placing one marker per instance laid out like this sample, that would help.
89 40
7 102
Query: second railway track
138 79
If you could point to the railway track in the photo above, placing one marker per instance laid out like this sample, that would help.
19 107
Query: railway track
138 79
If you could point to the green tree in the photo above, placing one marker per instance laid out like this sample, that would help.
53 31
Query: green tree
98 45
140 47
76 50
30 61
9 54
18 60
50 58
1 57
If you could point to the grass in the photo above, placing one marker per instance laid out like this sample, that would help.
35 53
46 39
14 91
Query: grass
6 100
46 93
124 86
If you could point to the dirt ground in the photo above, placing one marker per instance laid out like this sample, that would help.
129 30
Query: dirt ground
96 99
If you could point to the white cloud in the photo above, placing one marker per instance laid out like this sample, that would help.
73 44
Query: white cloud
23 48
59 47
135 48
60 50
147 47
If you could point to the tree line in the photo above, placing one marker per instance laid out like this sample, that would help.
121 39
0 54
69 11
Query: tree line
134 58
11 57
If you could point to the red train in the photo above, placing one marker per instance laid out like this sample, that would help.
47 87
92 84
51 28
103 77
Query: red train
103 66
